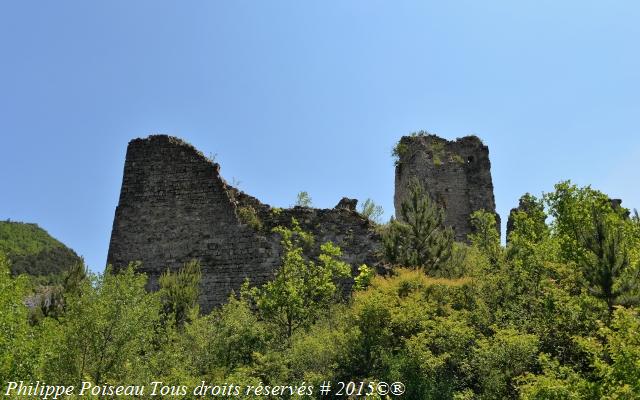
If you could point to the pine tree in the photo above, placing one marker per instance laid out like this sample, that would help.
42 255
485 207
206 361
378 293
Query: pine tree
179 292
418 239
608 266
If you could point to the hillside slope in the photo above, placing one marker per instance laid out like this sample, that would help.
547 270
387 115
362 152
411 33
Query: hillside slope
31 250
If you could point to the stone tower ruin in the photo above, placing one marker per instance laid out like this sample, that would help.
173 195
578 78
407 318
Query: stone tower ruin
456 174
174 207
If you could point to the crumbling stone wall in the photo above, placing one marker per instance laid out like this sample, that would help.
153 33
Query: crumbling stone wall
174 206
342 225
456 174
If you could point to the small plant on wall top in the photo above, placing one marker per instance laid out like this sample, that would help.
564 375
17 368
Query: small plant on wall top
249 216
303 200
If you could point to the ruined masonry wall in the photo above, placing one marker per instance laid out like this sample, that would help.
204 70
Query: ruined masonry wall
456 174
174 206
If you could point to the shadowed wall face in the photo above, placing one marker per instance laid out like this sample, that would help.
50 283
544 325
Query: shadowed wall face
174 207
456 174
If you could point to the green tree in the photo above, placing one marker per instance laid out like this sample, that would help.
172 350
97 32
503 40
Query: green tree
315 353
528 231
607 266
179 292
405 328
302 289
613 370
364 277
557 382
14 328
434 360
50 299
529 219
572 210
74 278
303 199
218 343
418 239
107 331
616 356
371 211
500 359
599 239
485 234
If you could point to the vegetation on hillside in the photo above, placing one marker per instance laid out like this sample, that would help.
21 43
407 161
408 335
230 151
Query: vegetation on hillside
553 315
31 250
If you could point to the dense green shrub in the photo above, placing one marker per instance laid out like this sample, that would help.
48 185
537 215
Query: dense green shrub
532 321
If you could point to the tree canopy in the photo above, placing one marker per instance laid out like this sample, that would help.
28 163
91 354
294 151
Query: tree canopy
553 315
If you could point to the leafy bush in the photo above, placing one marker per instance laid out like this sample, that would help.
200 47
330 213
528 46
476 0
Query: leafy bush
249 216
398 152
302 289
529 321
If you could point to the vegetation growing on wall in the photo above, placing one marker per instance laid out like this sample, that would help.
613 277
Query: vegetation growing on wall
249 216
303 199
398 151
370 210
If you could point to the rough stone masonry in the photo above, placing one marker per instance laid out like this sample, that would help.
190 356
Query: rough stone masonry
456 174
174 207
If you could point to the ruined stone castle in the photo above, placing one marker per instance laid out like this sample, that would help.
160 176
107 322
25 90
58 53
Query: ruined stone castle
456 174
174 206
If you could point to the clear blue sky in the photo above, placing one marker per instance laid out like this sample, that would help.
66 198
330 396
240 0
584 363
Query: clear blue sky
303 95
